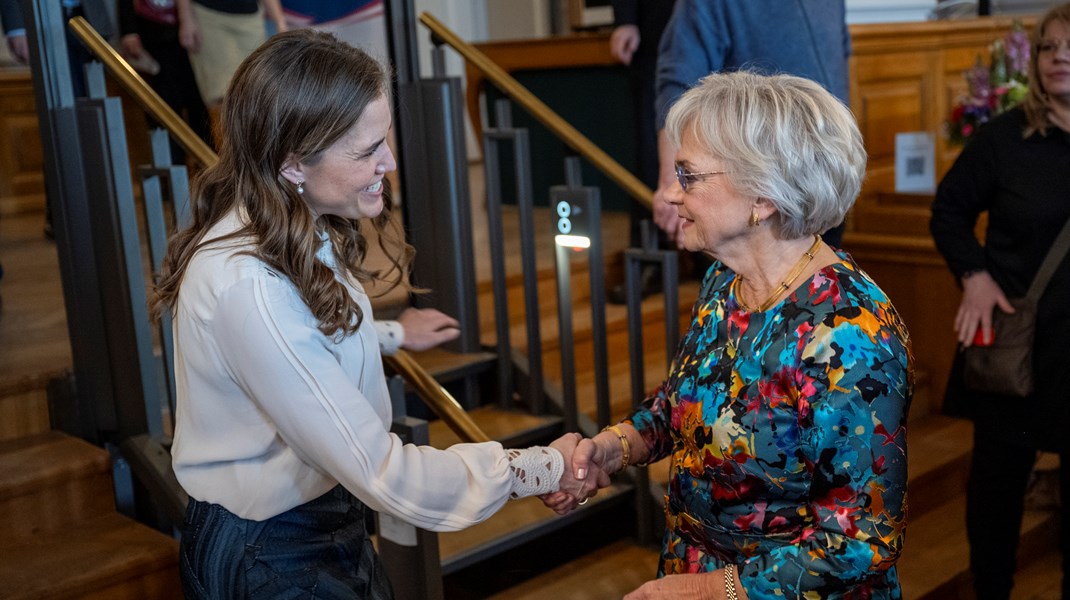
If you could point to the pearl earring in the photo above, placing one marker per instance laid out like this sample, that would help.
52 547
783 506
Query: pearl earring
300 187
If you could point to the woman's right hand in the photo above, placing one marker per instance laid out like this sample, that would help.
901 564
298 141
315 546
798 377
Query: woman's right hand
981 295
623 43
189 33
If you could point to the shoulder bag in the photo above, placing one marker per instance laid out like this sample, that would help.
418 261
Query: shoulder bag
1006 366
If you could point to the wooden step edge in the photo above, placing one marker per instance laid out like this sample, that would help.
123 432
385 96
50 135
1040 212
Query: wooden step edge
935 560
80 560
52 458
22 384
510 427
653 312
578 265
446 366
518 522
614 570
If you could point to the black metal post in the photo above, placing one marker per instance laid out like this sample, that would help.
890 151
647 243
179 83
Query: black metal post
634 259
590 199
152 191
518 141
409 554
71 216
136 403
565 339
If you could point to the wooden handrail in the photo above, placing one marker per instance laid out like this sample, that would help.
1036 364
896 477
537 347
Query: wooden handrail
145 95
437 398
542 113
442 402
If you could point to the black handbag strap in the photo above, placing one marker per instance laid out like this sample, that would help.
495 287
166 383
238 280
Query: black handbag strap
1051 262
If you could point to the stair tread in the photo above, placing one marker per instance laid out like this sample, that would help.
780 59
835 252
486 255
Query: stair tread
32 462
652 309
443 364
613 245
629 564
935 440
497 423
82 558
937 552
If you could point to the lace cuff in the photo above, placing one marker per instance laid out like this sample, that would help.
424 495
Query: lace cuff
536 471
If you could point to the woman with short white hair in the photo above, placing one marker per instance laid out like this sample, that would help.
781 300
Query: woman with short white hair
785 409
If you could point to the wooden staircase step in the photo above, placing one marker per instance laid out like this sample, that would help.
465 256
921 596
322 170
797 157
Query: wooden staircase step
49 482
1041 579
611 572
446 366
935 560
24 407
518 522
616 320
510 427
106 558
613 245
938 461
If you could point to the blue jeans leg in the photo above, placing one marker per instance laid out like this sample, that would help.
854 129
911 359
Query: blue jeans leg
320 549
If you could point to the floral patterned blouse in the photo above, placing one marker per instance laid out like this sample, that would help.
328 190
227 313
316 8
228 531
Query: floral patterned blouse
787 432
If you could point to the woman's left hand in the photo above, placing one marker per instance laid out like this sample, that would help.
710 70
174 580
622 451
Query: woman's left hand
426 328
693 586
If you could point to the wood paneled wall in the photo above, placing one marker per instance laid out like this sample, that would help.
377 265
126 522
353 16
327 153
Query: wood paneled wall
906 77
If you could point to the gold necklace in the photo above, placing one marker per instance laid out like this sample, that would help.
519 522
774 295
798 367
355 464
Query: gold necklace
784 286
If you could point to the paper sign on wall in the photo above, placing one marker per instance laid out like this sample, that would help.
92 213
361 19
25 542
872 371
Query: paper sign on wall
915 163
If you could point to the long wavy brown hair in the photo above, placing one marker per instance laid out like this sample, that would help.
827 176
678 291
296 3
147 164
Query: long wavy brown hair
290 99
1036 102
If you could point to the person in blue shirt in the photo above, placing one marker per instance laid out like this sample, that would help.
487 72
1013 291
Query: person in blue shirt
804 38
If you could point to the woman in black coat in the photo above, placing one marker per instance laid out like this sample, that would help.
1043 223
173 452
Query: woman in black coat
1017 168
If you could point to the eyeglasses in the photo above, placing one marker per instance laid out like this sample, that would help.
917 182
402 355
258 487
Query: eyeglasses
1051 46
685 178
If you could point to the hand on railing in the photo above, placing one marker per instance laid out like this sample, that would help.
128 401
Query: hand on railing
426 328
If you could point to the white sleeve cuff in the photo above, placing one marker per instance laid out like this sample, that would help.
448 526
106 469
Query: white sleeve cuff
391 336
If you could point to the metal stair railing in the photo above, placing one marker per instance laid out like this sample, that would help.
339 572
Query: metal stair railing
572 198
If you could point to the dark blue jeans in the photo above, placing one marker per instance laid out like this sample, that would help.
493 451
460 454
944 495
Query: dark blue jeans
320 549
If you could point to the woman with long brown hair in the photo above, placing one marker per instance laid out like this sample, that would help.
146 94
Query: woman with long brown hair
282 421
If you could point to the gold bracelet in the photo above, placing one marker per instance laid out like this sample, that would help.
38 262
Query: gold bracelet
730 582
626 449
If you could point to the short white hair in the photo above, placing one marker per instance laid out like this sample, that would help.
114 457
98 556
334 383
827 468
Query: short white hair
780 137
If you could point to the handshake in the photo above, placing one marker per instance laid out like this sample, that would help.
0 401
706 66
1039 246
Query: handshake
588 464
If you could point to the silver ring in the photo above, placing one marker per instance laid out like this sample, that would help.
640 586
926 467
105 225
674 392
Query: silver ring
584 501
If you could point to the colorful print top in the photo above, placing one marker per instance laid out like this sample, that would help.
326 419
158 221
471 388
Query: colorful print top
787 432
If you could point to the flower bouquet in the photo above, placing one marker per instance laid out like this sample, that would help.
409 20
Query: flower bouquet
994 88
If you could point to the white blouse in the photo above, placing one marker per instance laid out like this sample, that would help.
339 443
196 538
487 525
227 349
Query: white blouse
272 413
